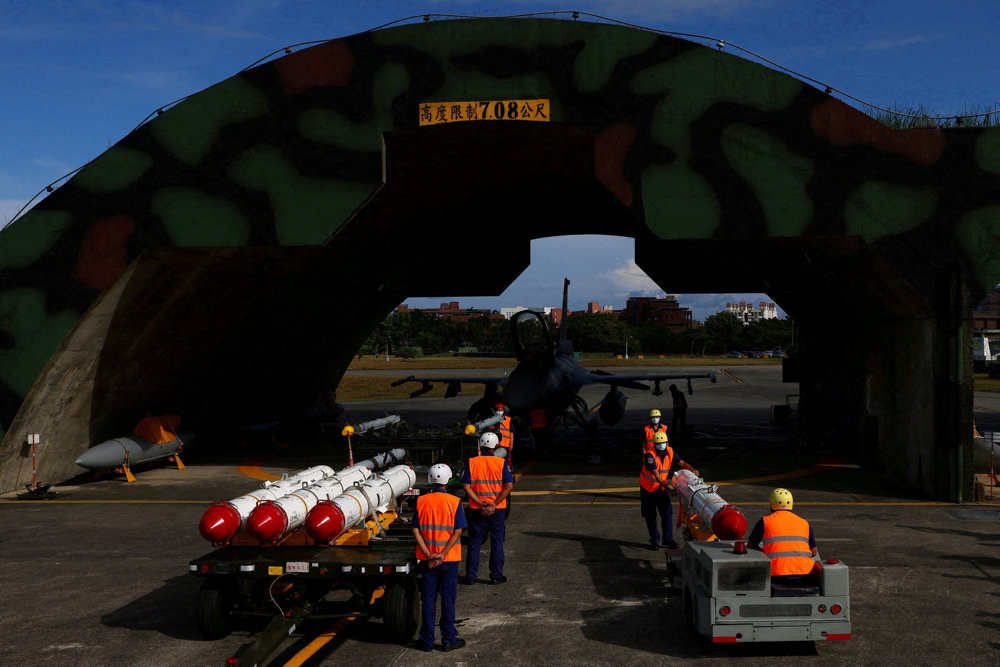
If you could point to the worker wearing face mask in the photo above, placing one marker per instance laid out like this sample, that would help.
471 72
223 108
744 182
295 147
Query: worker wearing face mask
652 428
655 489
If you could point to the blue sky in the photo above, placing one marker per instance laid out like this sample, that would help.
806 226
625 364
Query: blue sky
78 75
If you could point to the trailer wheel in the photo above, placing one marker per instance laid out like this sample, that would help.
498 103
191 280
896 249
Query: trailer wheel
401 611
215 609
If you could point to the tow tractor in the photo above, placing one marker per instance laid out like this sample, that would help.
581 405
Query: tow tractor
728 595
315 545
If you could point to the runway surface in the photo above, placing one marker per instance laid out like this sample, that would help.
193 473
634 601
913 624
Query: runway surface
99 576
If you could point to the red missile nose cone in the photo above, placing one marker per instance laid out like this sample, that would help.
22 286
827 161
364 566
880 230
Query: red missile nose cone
325 522
219 523
266 522
729 523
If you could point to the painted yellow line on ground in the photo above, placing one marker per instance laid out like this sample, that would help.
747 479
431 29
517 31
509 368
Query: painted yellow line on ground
322 640
8 501
252 469
748 480
846 503
570 492
730 375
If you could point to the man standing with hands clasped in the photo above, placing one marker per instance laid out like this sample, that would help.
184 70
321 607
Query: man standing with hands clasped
437 528
487 482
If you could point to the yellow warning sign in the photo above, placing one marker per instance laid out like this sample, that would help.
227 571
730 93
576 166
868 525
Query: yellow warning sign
437 113
274 570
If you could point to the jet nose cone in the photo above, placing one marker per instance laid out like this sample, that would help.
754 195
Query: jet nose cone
106 455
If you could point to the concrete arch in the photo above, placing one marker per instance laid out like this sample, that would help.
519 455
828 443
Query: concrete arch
227 257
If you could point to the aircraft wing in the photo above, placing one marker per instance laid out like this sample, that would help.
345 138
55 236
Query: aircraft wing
635 381
454 383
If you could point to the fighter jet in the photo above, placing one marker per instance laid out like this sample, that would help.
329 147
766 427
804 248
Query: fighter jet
545 383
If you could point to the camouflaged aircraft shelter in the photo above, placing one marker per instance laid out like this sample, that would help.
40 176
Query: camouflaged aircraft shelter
226 259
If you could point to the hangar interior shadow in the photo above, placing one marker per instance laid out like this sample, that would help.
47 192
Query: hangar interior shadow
227 336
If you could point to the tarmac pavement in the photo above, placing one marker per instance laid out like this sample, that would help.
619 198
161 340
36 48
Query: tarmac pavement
98 576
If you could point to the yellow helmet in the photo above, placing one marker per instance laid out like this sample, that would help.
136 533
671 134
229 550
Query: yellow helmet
781 499
659 437
654 413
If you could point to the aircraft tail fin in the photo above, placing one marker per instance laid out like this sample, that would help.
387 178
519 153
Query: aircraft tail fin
565 345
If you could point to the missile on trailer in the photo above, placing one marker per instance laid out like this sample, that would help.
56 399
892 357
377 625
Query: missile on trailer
727 521
385 459
272 520
330 518
225 518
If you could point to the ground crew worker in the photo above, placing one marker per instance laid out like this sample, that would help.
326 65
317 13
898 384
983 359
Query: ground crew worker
787 539
487 482
655 489
679 412
652 428
437 527
504 431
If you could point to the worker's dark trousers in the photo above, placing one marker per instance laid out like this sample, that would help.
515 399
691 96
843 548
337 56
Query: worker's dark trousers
651 502
478 527
441 580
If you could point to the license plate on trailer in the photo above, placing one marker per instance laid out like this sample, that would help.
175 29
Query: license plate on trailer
296 566
412 492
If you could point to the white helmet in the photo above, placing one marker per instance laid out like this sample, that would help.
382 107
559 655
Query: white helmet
439 473
489 440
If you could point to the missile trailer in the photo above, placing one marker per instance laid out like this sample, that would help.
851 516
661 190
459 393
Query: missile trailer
279 588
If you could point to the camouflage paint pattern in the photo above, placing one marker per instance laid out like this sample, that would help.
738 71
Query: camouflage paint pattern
696 143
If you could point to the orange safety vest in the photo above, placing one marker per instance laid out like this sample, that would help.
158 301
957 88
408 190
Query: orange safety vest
486 475
786 543
436 513
505 433
650 432
650 479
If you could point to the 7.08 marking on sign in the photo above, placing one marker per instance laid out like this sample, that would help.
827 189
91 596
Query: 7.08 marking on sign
436 113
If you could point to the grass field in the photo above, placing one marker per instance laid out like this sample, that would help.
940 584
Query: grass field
361 387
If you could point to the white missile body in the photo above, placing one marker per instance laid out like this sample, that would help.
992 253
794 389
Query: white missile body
727 521
328 520
273 519
225 518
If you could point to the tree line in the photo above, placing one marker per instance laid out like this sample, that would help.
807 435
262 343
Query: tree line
415 333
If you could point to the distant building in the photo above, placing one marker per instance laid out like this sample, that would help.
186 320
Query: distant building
748 314
987 313
511 312
665 311
452 311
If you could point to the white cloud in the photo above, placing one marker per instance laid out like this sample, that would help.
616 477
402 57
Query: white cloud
628 280
8 209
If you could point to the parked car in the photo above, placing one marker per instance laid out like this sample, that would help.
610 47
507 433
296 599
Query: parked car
753 354
775 354
734 355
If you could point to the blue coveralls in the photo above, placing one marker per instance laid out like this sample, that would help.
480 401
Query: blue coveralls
441 580
479 525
